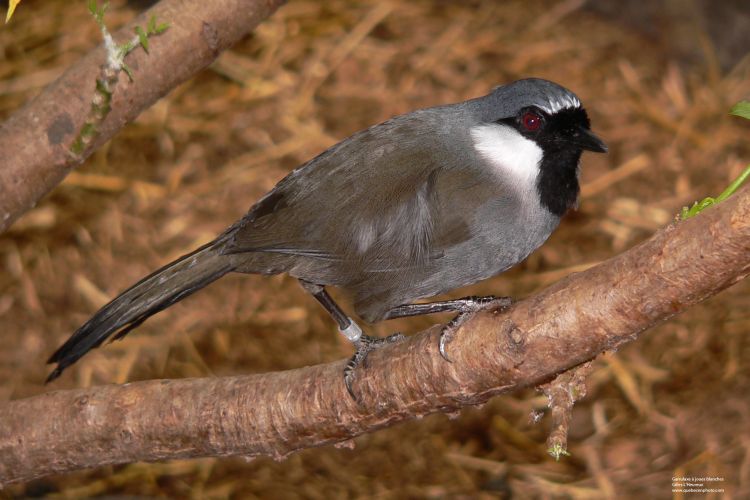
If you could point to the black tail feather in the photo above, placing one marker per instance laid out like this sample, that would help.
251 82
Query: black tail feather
152 294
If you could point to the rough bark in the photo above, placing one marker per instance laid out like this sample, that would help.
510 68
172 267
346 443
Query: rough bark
278 413
36 140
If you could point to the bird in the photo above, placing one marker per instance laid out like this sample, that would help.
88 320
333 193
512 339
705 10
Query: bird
413 207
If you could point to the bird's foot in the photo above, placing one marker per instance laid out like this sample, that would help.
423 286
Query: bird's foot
469 306
363 346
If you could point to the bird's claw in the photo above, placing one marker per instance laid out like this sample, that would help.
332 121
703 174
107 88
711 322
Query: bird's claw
445 338
363 346
448 333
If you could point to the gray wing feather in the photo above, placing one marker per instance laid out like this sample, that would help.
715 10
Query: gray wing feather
392 225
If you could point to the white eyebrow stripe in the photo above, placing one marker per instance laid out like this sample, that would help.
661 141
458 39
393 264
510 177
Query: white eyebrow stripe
564 102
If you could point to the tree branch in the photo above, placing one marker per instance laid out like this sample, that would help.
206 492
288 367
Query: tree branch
36 141
278 413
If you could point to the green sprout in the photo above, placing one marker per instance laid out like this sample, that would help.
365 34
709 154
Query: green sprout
699 206
151 29
98 11
117 53
741 109
557 450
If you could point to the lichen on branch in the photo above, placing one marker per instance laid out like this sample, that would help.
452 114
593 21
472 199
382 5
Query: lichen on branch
109 72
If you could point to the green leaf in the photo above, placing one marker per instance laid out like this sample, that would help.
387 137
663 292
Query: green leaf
142 37
151 27
742 109
97 11
128 71
699 206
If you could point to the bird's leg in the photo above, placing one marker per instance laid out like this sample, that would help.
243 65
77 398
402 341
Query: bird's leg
347 326
463 306
363 344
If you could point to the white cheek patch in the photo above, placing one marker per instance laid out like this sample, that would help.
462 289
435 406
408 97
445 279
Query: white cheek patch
513 156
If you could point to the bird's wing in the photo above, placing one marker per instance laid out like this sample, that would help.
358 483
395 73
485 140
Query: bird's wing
371 201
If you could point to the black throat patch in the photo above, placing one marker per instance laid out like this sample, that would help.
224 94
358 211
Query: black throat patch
558 174
557 183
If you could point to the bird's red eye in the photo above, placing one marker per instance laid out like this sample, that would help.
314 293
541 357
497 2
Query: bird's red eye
531 121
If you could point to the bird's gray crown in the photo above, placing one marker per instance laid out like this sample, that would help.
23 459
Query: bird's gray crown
507 100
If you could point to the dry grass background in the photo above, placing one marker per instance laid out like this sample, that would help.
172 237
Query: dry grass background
673 403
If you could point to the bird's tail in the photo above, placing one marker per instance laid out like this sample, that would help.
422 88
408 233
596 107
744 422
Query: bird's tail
155 292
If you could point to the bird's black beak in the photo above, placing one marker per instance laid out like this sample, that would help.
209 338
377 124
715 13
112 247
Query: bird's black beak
586 139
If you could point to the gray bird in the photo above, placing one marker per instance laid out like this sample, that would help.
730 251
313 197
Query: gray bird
416 206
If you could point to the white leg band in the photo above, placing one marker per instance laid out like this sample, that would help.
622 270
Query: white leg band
352 332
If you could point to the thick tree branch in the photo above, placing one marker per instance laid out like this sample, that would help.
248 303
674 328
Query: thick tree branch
36 141
278 413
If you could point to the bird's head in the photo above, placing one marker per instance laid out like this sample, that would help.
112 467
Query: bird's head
532 132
